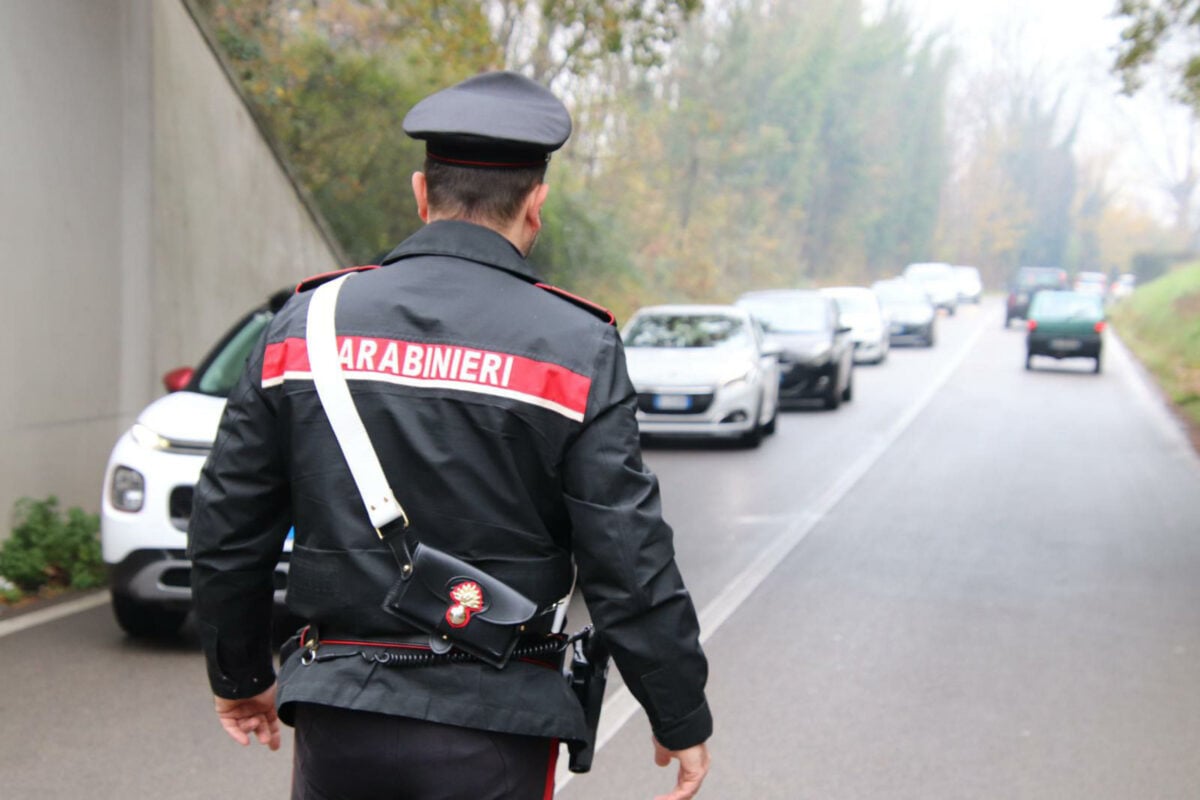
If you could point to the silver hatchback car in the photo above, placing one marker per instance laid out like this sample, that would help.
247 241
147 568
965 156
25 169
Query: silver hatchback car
702 370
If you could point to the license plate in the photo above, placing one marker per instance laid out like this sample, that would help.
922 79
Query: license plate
672 402
1065 344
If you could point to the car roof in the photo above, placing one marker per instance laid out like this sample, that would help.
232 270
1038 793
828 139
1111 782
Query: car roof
847 290
768 293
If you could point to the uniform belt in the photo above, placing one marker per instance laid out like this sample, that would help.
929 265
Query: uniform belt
413 650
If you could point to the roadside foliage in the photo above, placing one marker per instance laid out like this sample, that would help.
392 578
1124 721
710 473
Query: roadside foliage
1161 323
739 145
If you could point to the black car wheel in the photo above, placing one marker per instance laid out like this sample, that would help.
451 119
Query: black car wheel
848 392
1096 368
145 620
1029 361
833 395
929 337
753 437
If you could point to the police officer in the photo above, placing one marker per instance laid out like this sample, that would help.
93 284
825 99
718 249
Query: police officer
503 417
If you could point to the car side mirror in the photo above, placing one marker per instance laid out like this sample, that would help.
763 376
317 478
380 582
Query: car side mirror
772 349
177 379
844 329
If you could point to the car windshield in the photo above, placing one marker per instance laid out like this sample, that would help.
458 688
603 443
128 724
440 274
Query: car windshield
900 293
687 330
1066 305
928 272
855 303
224 366
790 313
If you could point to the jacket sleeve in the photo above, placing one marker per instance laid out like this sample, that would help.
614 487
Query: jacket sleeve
626 561
240 520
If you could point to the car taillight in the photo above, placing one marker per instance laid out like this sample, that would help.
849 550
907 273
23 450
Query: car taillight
1100 326
1032 324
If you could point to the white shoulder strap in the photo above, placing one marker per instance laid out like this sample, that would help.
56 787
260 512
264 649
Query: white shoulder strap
381 504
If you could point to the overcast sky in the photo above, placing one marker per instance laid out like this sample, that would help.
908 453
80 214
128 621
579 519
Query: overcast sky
1073 43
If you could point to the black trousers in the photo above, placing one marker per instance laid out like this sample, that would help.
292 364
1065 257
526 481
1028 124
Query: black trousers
342 754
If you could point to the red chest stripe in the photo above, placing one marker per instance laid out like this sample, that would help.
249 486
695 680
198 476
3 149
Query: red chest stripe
439 366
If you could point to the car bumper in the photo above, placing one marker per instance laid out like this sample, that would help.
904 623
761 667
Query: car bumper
909 332
869 351
164 578
1064 345
709 411
144 549
161 522
804 381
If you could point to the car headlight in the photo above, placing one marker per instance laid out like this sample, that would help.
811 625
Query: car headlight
740 375
148 438
128 489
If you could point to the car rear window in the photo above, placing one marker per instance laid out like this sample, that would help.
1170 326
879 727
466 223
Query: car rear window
1028 279
1066 305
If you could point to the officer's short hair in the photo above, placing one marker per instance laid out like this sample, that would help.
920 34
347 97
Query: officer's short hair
479 193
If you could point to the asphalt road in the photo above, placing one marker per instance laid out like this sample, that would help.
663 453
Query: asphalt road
973 581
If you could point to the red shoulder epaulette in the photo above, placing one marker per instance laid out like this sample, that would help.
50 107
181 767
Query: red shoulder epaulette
587 305
325 277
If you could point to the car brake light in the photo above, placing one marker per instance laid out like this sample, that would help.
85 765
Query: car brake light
1032 324
1100 326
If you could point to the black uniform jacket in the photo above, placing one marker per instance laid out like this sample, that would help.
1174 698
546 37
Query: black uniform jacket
503 417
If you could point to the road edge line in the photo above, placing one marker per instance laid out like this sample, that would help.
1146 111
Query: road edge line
42 616
621 707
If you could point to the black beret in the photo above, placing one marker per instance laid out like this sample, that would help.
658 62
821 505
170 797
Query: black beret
498 119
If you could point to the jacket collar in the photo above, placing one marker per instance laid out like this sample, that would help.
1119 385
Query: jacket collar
466 240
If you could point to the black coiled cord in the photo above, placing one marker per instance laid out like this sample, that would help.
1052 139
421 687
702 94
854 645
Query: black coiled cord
428 658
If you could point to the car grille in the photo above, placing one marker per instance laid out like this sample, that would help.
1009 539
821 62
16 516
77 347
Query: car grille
179 506
700 403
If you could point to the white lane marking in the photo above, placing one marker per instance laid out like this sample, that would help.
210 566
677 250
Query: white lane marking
52 613
621 706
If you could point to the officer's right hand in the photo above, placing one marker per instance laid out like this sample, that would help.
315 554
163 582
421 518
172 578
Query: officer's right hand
693 766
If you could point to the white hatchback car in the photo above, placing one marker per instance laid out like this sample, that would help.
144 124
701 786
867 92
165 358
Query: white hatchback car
702 370
859 308
937 281
149 481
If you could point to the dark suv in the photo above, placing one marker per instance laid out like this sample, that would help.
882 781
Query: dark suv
1025 284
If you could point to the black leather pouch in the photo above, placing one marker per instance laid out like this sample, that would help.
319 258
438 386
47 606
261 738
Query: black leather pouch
459 605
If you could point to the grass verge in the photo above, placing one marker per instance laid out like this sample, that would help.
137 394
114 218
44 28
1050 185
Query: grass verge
1161 324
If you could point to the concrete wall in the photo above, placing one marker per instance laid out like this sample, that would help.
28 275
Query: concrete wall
140 213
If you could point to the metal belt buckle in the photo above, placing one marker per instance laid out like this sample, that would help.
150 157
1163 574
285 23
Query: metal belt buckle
310 648
403 518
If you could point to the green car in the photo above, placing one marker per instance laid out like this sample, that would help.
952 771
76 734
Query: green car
1065 325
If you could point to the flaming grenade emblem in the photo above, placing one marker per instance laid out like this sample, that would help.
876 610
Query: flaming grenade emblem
467 597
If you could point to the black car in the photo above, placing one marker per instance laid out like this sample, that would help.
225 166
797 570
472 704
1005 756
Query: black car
912 316
816 361
1025 284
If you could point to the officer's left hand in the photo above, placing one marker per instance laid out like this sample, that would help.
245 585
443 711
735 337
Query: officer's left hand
250 715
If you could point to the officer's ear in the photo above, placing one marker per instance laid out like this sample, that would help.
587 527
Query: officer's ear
533 206
421 193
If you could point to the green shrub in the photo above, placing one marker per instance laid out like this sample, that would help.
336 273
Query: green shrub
50 549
